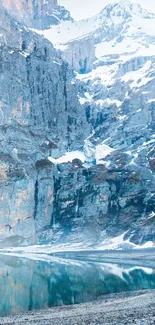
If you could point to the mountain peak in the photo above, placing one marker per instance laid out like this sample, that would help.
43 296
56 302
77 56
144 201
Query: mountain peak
127 8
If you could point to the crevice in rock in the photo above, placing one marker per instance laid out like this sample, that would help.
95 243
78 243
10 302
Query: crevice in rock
36 198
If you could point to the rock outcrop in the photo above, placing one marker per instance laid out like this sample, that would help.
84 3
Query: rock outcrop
80 54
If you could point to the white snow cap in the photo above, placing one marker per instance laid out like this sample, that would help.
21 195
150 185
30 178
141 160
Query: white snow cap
130 6
82 9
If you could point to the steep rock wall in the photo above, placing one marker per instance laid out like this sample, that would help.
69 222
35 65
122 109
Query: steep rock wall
29 10
80 54
39 116
37 14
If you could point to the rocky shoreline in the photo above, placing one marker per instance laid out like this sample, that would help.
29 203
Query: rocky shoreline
136 308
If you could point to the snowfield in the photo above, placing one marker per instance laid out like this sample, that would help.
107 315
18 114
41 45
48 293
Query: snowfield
133 22
68 30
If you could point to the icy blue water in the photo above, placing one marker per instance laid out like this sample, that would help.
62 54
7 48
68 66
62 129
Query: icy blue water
27 284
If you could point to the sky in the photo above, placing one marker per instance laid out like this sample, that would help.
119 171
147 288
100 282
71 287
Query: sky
81 9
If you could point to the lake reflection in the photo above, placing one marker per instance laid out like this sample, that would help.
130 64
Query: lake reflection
26 284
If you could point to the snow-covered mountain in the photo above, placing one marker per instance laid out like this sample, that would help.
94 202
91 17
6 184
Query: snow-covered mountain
77 127
103 44
113 56
116 29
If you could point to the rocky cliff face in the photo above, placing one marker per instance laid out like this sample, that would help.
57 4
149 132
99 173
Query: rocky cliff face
77 147
80 54
39 14
38 117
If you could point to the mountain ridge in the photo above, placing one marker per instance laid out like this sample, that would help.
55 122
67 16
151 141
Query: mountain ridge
99 25
128 6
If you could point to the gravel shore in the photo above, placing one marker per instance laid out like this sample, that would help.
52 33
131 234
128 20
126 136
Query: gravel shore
136 308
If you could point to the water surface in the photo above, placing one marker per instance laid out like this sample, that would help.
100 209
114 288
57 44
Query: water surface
30 284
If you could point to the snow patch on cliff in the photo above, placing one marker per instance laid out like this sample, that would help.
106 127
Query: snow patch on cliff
101 151
68 157
90 153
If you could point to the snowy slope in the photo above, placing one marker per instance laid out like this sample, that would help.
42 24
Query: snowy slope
96 154
123 67
121 32
128 22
